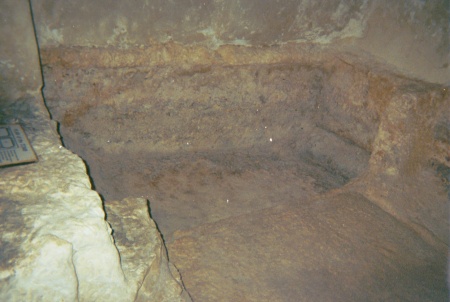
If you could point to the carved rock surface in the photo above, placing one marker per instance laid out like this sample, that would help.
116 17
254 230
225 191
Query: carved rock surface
143 255
339 248
336 163
229 155
55 244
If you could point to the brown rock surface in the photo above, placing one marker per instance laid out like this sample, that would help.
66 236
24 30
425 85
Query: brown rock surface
340 247
232 151
322 180
290 150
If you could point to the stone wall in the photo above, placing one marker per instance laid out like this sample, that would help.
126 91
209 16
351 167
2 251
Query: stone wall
20 73
411 35
55 244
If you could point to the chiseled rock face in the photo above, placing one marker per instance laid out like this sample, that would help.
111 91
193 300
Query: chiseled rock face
142 252
55 243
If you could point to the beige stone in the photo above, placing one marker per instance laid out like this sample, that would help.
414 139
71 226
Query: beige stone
289 150
55 242
143 256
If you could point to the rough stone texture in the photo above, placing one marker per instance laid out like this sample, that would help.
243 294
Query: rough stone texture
59 220
411 35
285 154
55 243
230 202
217 120
143 256
341 247
405 153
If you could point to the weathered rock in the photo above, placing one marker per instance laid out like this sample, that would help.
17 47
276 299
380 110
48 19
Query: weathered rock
341 247
204 118
216 141
55 244
143 256
403 177
58 220
411 35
